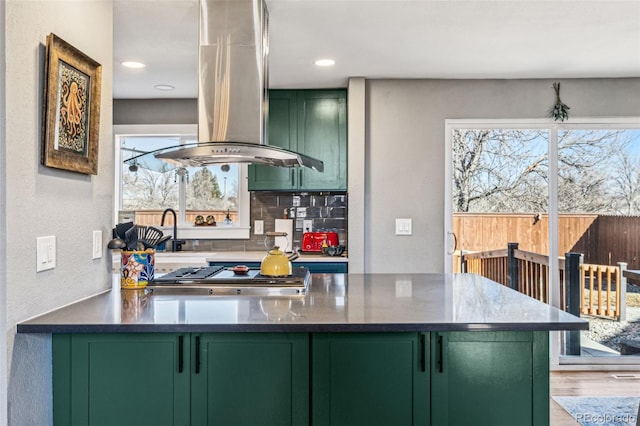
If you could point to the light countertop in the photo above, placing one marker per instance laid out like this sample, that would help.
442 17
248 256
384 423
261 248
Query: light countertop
334 302
168 261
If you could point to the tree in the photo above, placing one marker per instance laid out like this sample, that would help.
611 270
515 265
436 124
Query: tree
499 170
506 170
149 189
626 187
585 169
204 191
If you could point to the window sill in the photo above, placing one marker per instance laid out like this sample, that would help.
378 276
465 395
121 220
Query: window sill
209 232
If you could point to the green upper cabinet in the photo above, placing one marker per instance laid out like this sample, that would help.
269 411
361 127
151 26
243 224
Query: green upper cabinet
311 122
283 132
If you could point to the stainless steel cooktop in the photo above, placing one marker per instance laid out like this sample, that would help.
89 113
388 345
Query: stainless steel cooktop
218 280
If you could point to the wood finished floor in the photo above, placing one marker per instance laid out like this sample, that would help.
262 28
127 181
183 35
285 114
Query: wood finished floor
588 383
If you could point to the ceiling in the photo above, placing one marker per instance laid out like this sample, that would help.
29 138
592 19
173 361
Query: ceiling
388 39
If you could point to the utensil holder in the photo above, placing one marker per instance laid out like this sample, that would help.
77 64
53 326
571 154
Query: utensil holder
136 268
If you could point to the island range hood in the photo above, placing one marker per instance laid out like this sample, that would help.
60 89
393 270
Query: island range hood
232 91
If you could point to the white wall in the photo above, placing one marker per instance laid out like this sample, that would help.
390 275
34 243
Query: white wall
42 201
3 232
404 151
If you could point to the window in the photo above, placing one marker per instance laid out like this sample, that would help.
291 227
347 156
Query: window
200 196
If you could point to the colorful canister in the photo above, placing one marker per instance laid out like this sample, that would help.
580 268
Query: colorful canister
136 268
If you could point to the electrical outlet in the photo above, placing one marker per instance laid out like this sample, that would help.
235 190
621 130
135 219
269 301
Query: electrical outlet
258 227
97 244
45 253
307 225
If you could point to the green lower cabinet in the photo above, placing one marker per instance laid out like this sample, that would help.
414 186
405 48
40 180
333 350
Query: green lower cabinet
181 379
120 379
449 378
490 378
250 379
370 379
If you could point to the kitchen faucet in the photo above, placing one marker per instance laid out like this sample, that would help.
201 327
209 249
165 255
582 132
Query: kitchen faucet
176 245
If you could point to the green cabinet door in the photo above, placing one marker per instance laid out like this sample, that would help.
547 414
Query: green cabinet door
121 379
250 379
490 378
322 134
311 122
282 131
370 379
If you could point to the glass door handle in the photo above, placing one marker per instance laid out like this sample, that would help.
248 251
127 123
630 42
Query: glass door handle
455 243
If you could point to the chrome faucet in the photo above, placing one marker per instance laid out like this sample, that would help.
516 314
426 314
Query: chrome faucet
176 245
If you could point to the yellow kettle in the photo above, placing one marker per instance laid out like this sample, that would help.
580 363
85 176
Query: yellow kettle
276 264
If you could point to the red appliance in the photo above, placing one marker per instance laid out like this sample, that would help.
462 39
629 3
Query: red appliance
312 241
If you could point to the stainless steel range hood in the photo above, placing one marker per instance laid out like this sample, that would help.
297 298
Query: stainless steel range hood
232 91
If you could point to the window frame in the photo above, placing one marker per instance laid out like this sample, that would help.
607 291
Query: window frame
239 230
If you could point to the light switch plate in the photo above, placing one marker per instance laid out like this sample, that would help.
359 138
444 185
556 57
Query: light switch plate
403 226
258 227
97 244
45 253
307 225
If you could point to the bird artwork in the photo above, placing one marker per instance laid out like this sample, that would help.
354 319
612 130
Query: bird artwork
536 218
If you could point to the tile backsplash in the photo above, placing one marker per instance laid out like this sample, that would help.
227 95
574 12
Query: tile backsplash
327 211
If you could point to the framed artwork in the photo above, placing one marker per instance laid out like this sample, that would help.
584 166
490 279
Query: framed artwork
71 121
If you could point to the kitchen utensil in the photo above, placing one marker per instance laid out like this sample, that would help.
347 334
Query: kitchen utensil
276 264
116 243
312 241
131 238
162 240
142 231
122 228
151 237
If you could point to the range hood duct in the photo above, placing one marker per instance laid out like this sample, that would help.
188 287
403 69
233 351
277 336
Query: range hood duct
232 91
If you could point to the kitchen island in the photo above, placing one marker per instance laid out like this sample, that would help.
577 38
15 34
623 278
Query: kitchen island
439 349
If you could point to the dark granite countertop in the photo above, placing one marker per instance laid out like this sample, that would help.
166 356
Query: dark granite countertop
334 302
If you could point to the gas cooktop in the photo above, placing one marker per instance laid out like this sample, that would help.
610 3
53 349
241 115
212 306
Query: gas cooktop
218 280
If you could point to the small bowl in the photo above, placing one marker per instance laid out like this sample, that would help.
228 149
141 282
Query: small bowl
240 270
334 251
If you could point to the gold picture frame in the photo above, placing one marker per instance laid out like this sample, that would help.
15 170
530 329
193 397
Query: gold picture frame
71 121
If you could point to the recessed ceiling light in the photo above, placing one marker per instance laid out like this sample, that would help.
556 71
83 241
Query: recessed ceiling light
164 87
132 64
325 62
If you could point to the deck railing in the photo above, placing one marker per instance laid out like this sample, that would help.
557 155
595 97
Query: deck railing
602 288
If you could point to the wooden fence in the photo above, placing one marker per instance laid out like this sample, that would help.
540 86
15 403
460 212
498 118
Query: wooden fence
602 287
153 217
602 240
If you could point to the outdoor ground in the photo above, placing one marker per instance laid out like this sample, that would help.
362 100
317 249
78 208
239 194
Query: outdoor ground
610 332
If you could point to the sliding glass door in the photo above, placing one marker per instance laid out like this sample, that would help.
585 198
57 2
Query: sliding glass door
542 197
